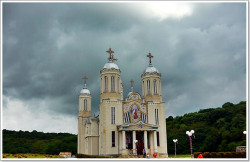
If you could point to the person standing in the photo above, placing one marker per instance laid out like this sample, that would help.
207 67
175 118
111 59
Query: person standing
144 153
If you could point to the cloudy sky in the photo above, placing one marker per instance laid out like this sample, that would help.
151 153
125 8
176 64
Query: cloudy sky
199 48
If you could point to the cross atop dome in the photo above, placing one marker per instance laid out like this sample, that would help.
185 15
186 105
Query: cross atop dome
111 55
132 82
85 79
150 56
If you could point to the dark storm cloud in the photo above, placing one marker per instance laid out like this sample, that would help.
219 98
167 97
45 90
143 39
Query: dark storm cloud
47 48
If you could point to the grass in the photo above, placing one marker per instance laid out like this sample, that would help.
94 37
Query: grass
180 156
57 156
30 156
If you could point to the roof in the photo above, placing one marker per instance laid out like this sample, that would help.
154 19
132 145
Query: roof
85 91
110 65
151 69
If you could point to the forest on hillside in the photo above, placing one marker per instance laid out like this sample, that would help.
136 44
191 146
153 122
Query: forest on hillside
38 142
216 129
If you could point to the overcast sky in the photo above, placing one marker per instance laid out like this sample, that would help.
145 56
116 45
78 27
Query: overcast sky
199 48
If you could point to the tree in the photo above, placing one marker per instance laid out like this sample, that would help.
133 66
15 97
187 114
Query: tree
170 118
227 104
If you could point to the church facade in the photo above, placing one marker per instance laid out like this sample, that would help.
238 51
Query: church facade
125 125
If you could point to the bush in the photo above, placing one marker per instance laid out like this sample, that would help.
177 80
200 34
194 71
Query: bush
221 154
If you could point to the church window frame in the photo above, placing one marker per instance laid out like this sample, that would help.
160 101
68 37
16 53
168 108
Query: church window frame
158 138
113 139
112 115
126 118
106 84
143 87
155 87
118 84
148 86
112 84
85 104
156 117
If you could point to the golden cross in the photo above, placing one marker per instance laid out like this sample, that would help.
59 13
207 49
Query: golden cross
132 82
85 78
111 55
150 56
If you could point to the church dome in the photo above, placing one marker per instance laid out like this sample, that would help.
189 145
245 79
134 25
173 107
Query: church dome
129 94
85 91
151 69
111 65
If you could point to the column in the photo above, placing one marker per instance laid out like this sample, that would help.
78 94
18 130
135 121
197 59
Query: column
155 142
151 142
146 141
134 146
123 142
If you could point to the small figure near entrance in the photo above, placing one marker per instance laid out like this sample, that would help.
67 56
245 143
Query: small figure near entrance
148 156
200 156
155 155
144 153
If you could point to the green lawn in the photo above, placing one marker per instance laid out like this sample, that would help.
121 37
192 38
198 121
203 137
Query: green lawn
180 156
30 156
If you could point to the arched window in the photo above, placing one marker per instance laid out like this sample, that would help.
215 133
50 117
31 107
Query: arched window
118 84
85 104
105 83
155 87
156 117
112 115
148 86
112 84
143 88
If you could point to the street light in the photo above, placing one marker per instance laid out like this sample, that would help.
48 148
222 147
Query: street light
244 132
175 141
190 134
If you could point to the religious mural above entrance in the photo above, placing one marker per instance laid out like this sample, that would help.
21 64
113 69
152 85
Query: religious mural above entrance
134 110
135 113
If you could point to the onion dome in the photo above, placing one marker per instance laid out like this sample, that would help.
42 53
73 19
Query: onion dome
110 65
85 89
150 68
132 88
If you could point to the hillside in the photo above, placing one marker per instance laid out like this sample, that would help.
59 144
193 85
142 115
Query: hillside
38 142
216 129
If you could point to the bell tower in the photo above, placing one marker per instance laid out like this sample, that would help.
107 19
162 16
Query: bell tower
151 83
84 113
110 106
111 85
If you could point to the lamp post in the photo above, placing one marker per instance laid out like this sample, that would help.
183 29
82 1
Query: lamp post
175 142
190 134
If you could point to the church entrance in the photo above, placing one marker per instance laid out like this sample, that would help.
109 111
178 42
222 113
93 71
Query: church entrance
140 144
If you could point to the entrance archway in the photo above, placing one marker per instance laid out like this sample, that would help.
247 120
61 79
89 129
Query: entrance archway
140 144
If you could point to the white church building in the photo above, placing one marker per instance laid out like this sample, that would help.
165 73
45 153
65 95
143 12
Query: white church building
125 125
